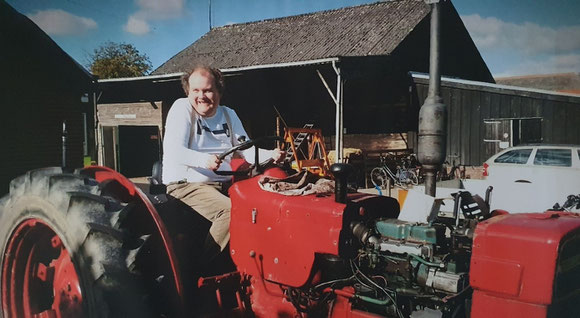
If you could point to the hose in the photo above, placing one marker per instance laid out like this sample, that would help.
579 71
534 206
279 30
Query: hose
421 260
367 299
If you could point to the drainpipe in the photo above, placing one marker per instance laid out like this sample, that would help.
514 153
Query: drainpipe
64 136
433 113
339 110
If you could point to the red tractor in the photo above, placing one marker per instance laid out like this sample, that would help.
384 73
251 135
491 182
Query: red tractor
89 243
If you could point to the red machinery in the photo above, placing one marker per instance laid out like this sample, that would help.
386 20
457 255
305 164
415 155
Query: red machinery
89 243
526 265
294 248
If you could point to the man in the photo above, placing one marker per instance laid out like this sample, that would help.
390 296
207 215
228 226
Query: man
198 129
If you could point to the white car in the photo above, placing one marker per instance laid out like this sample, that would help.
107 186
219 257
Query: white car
532 178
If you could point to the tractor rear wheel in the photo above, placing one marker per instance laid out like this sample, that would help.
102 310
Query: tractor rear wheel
64 253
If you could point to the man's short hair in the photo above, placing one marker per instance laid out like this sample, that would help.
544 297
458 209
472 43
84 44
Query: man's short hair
218 78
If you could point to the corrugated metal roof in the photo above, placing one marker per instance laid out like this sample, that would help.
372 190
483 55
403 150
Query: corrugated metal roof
565 82
517 89
367 30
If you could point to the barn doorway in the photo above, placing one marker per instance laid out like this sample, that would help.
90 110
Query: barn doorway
139 148
131 150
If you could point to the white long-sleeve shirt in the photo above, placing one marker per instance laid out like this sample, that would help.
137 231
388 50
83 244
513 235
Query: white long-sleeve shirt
190 139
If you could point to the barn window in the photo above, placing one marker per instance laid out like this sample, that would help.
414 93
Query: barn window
526 130
502 133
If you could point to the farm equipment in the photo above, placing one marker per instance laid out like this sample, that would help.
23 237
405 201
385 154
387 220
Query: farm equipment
90 243
315 159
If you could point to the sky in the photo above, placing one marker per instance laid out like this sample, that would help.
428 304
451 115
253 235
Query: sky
514 37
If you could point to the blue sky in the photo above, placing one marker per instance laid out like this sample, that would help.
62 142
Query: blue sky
514 37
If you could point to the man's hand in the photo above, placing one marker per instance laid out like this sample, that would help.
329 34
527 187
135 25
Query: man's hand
278 155
213 163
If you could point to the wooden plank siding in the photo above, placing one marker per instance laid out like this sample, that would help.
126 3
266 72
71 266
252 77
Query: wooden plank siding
484 114
495 106
130 114
33 134
547 121
463 122
573 113
41 86
447 101
454 125
469 104
559 122
476 139
505 106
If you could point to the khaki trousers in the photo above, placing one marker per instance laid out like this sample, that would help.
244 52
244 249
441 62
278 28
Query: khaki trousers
213 205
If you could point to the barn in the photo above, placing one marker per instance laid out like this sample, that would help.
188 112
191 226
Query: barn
354 61
41 88
484 118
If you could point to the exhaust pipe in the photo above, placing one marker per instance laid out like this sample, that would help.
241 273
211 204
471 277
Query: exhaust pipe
433 113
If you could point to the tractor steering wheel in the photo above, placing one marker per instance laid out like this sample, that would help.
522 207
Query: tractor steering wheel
243 146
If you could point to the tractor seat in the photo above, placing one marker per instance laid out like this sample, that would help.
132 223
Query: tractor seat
472 206
156 185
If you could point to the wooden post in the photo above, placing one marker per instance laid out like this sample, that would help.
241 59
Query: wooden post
278 143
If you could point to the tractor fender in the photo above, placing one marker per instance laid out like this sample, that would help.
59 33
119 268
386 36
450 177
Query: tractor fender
103 174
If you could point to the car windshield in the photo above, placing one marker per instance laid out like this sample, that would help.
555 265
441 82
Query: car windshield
517 156
553 157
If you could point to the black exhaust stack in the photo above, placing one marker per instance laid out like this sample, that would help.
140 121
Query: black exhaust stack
340 171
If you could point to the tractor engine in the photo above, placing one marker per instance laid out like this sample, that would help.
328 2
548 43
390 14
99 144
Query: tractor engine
423 265
315 256
350 256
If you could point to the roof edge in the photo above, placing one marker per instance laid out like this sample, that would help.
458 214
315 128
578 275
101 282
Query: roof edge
280 65
169 76
172 76
425 76
532 76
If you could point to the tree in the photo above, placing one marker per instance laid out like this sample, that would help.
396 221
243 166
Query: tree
114 60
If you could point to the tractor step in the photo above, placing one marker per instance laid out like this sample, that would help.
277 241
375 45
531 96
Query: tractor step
224 295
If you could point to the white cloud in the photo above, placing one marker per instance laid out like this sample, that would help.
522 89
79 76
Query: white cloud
136 26
527 38
150 10
525 48
59 22
160 9
554 64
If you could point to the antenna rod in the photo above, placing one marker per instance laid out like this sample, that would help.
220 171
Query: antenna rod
210 15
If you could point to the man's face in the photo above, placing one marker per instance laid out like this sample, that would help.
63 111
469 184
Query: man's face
203 94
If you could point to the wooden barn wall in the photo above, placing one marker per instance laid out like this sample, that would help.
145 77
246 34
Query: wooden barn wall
469 106
40 88
374 106
130 114
32 130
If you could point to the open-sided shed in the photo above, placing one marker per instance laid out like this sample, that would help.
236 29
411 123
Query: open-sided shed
345 70
342 70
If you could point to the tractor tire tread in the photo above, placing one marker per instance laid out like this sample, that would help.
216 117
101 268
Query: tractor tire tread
89 225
